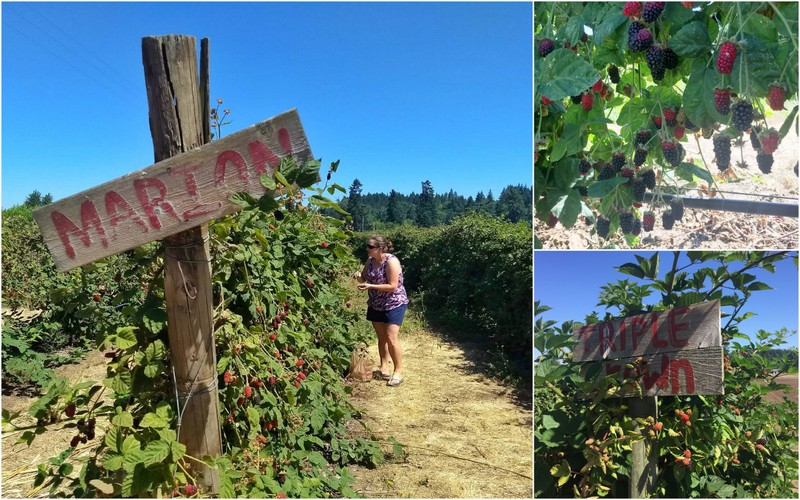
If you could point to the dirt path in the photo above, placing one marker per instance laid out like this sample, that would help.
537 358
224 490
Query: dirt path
463 434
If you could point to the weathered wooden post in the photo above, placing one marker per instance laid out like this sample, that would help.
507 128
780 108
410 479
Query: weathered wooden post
176 125
659 346
190 185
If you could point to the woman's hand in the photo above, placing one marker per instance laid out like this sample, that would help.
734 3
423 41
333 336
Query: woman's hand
363 286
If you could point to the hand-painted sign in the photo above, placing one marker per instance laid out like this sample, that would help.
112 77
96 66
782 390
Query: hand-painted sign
171 196
672 352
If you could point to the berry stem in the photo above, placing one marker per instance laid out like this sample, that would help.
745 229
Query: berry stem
705 164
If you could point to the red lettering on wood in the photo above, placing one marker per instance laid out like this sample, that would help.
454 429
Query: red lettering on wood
654 332
606 337
191 186
658 377
686 366
114 201
65 227
675 328
261 155
149 204
285 140
222 163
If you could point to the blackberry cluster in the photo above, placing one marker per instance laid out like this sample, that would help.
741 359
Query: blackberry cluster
618 161
613 74
673 152
606 173
602 226
639 157
765 162
638 189
545 47
576 99
652 10
584 167
633 37
637 227
648 221
677 208
655 61
626 222
643 136
667 219
626 172
754 138
722 151
722 101
649 178
670 59
689 125
742 114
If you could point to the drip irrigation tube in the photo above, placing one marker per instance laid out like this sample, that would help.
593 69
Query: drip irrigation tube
728 205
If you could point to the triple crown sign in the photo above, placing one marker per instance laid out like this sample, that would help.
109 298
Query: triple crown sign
171 196
674 352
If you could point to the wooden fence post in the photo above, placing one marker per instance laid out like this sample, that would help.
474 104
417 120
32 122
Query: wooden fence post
176 124
645 452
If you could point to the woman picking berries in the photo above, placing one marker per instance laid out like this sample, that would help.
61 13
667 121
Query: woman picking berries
387 302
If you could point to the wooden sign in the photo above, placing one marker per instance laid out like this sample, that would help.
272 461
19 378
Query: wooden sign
670 353
171 196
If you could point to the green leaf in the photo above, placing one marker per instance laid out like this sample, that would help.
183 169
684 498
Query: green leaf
787 124
153 420
323 202
691 40
282 179
155 351
268 182
112 439
565 74
698 98
178 450
113 462
567 173
760 26
601 189
156 452
755 67
241 200
152 370
612 20
124 419
125 337
568 207
267 203
632 269
155 319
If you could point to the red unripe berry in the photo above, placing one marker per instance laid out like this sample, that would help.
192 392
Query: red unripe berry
259 309
685 417
309 282
587 101
272 336
297 383
227 377
632 9
272 380
300 362
726 58
687 462
735 460
658 426
679 132
598 85
301 376
657 121
96 297
760 447
546 101
189 490
248 392
271 227
776 97
324 244
687 453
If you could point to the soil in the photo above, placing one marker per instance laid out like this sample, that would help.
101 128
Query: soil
708 229
465 435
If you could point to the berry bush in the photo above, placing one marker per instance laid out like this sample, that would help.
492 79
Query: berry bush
738 444
627 84
283 331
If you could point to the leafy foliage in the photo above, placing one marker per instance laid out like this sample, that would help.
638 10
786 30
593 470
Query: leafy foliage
740 443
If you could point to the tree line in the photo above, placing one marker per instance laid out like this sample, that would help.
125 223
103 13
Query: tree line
427 209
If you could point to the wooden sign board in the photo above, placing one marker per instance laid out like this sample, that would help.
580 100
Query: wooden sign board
171 196
670 353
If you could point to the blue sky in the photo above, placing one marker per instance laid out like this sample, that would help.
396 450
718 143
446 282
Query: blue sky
399 92
570 282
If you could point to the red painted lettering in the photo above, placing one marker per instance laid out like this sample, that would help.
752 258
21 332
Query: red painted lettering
65 227
621 336
285 140
637 330
686 366
658 377
115 201
261 155
191 186
149 204
675 328
654 332
606 338
222 162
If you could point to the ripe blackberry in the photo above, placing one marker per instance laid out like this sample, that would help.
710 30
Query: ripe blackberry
633 33
626 223
613 74
652 10
648 221
602 226
545 47
576 99
643 136
726 58
584 167
673 152
552 220
676 205
606 173
649 178
689 125
765 162
667 219
776 97
644 39
722 101
618 161
637 227
655 61
639 157
722 151
670 59
742 114
638 189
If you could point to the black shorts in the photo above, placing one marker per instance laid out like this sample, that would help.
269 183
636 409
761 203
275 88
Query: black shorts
392 316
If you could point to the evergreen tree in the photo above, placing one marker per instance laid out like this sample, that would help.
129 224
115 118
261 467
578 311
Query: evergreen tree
426 208
356 207
513 204
394 212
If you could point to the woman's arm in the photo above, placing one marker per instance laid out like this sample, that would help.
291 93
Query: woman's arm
392 278
363 276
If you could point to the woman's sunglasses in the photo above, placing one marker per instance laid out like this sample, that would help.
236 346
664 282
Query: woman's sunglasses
371 246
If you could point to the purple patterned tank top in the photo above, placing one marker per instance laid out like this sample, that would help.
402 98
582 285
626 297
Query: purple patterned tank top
384 301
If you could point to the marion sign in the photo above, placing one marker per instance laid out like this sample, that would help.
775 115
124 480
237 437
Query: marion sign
171 196
680 350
